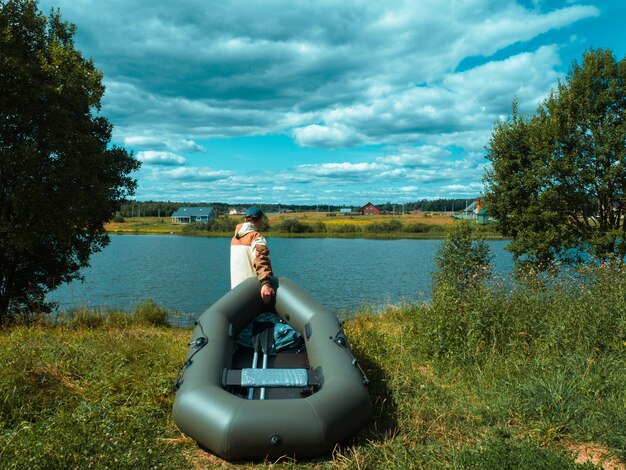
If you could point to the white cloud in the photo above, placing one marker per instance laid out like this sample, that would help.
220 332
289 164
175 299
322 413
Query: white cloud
192 174
488 89
423 156
340 169
422 79
185 145
334 136
160 158
233 71
141 141
460 189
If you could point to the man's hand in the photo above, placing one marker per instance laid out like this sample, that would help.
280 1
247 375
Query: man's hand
267 291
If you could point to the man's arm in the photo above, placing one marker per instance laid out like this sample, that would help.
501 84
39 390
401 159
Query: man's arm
264 273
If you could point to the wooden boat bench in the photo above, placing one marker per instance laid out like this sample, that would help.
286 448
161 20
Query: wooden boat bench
270 378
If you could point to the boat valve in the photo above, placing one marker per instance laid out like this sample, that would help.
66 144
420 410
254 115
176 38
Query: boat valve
199 343
276 440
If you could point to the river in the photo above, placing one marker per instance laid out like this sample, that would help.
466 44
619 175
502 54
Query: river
188 274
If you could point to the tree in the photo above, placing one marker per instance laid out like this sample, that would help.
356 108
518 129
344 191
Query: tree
463 260
557 183
60 179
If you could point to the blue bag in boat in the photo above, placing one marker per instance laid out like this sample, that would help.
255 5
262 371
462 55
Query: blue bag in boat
285 337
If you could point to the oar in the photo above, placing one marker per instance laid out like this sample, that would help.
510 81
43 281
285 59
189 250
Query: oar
256 343
267 340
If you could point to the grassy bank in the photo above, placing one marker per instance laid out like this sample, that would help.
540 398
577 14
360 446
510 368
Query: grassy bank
532 377
311 225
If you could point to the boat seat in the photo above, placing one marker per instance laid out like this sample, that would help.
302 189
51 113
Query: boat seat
270 378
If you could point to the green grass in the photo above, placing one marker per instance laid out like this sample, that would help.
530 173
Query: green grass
523 378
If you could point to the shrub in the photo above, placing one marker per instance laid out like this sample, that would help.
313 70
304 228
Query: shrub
384 227
222 223
344 228
92 318
418 227
149 312
319 227
293 226
195 227
463 262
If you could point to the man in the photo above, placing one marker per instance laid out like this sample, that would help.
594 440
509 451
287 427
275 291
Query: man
249 254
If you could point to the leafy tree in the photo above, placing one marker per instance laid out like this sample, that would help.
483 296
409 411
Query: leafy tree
557 184
60 179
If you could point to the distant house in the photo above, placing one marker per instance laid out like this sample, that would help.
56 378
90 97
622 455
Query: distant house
234 212
369 209
188 215
475 211
345 210
469 212
482 217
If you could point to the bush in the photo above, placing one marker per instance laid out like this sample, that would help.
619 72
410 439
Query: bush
344 228
195 227
384 227
118 219
319 227
418 227
293 226
463 262
92 318
149 312
223 224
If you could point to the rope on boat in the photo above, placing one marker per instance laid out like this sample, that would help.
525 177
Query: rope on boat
198 344
340 340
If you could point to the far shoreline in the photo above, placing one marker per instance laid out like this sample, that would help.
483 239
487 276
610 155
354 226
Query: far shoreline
432 227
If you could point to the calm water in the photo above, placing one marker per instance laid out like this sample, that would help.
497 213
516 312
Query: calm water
188 274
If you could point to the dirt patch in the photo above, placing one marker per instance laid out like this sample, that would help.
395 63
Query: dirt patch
596 454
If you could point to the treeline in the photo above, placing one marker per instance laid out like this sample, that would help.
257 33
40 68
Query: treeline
167 208
434 205
164 208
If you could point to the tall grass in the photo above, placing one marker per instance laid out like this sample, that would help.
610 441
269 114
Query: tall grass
522 376
86 396
515 374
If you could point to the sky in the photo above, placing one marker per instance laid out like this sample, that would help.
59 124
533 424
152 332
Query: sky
336 102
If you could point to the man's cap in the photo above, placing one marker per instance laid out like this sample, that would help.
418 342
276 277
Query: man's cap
253 212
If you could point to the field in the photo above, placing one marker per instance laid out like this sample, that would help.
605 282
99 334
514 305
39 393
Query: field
333 218
143 225
333 221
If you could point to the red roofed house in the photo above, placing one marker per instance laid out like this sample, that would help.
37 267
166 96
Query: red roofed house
369 209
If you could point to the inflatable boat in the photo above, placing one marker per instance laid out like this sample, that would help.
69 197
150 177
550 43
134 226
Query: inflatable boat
245 403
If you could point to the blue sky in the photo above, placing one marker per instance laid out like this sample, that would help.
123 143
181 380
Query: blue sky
330 101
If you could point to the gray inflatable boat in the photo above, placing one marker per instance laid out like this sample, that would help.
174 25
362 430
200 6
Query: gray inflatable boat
301 402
